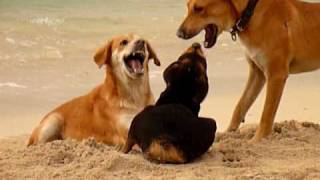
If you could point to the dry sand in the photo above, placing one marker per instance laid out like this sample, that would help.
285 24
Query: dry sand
291 152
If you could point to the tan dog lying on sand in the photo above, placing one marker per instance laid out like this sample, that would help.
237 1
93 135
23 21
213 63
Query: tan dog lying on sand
106 112
281 38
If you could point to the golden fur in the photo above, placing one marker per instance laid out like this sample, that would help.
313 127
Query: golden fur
106 112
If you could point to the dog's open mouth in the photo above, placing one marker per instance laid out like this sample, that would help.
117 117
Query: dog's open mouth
211 35
134 62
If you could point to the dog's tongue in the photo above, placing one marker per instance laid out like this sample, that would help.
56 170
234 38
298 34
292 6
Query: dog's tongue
210 36
136 66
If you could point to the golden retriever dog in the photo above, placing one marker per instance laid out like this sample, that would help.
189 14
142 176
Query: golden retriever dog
281 38
107 111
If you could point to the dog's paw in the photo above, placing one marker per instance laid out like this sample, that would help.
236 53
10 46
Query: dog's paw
255 140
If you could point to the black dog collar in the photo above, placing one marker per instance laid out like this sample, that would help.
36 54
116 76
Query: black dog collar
244 19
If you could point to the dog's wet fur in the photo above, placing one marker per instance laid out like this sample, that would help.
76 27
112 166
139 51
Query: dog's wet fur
171 131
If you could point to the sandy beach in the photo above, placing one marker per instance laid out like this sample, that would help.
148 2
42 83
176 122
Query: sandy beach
292 152
46 50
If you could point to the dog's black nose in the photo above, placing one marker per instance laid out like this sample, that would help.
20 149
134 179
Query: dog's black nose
196 45
181 34
140 44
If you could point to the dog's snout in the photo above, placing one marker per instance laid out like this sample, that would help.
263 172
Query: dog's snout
140 44
181 33
196 45
184 33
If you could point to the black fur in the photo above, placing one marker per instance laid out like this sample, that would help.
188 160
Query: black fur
174 119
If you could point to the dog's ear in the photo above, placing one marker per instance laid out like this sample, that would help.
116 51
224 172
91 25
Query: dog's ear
152 54
170 72
103 54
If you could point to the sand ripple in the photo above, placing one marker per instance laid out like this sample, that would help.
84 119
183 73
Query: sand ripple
291 152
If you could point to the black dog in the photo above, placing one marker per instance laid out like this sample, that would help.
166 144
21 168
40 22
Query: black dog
171 131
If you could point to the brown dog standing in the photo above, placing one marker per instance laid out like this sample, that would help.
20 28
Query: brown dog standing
107 111
281 38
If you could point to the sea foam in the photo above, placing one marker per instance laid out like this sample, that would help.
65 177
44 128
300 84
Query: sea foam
47 21
12 85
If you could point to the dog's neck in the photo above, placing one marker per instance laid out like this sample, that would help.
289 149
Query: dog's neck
239 6
243 12
128 94
175 95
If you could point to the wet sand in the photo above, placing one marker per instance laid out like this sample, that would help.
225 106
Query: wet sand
29 90
46 59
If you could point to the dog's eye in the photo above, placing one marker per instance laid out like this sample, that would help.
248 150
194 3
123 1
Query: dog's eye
124 42
197 9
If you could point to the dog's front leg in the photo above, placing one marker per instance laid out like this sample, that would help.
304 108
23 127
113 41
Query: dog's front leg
277 76
254 85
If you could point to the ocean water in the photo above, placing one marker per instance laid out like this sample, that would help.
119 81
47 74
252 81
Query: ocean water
52 28
96 16
34 30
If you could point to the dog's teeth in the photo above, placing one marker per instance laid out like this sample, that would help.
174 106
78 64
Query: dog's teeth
206 44
141 71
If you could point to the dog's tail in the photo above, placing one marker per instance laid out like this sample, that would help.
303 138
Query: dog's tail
49 129
33 138
164 152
